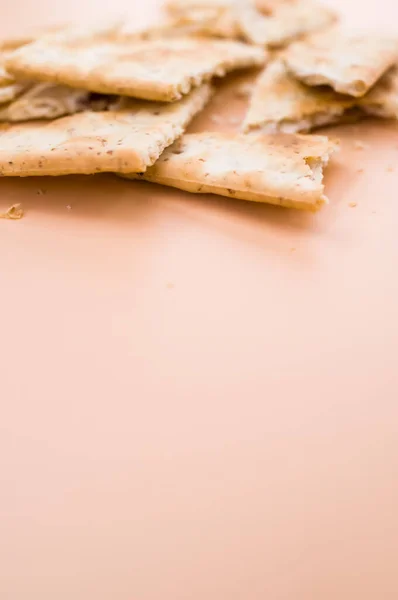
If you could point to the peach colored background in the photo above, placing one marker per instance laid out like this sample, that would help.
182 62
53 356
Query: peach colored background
199 396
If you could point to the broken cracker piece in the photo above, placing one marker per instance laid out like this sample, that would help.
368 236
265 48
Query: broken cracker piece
284 21
382 99
349 63
218 18
282 169
124 140
45 101
10 88
117 63
272 25
280 103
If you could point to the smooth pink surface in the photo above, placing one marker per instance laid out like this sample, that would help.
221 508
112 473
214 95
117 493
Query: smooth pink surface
199 396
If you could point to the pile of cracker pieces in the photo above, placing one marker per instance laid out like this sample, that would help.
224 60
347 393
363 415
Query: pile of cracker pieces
75 100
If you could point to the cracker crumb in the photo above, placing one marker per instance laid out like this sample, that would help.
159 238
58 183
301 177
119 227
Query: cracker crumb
360 145
390 169
40 192
14 213
292 250
68 206
360 171
352 204
170 285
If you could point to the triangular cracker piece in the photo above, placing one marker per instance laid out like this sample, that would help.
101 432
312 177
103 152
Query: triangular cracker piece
123 140
283 169
281 22
349 63
118 63
280 103
45 101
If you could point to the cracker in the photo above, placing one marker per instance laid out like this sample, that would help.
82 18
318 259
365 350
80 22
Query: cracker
282 169
218 18
9 92
123 140
10 88
276 24
117 63
349 63
45 101
382 100
280 103
285 21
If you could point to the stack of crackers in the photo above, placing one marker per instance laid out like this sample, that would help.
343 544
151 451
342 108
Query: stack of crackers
110 99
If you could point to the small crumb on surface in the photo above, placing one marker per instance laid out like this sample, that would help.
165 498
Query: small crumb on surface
14 213
170 285
68 206
360 171
390 169
352 204
292 249
40 192
359 145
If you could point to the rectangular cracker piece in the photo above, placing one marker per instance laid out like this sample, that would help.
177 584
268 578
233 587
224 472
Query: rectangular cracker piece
281 103
118 63
349 63
45 101
130 138
282 169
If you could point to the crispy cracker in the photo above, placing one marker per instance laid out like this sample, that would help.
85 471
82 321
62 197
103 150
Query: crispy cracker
45 101
117 63
280 103
9 92
10 88
124 140
349 63
218 18
382 100
285 21
278 23
282 169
